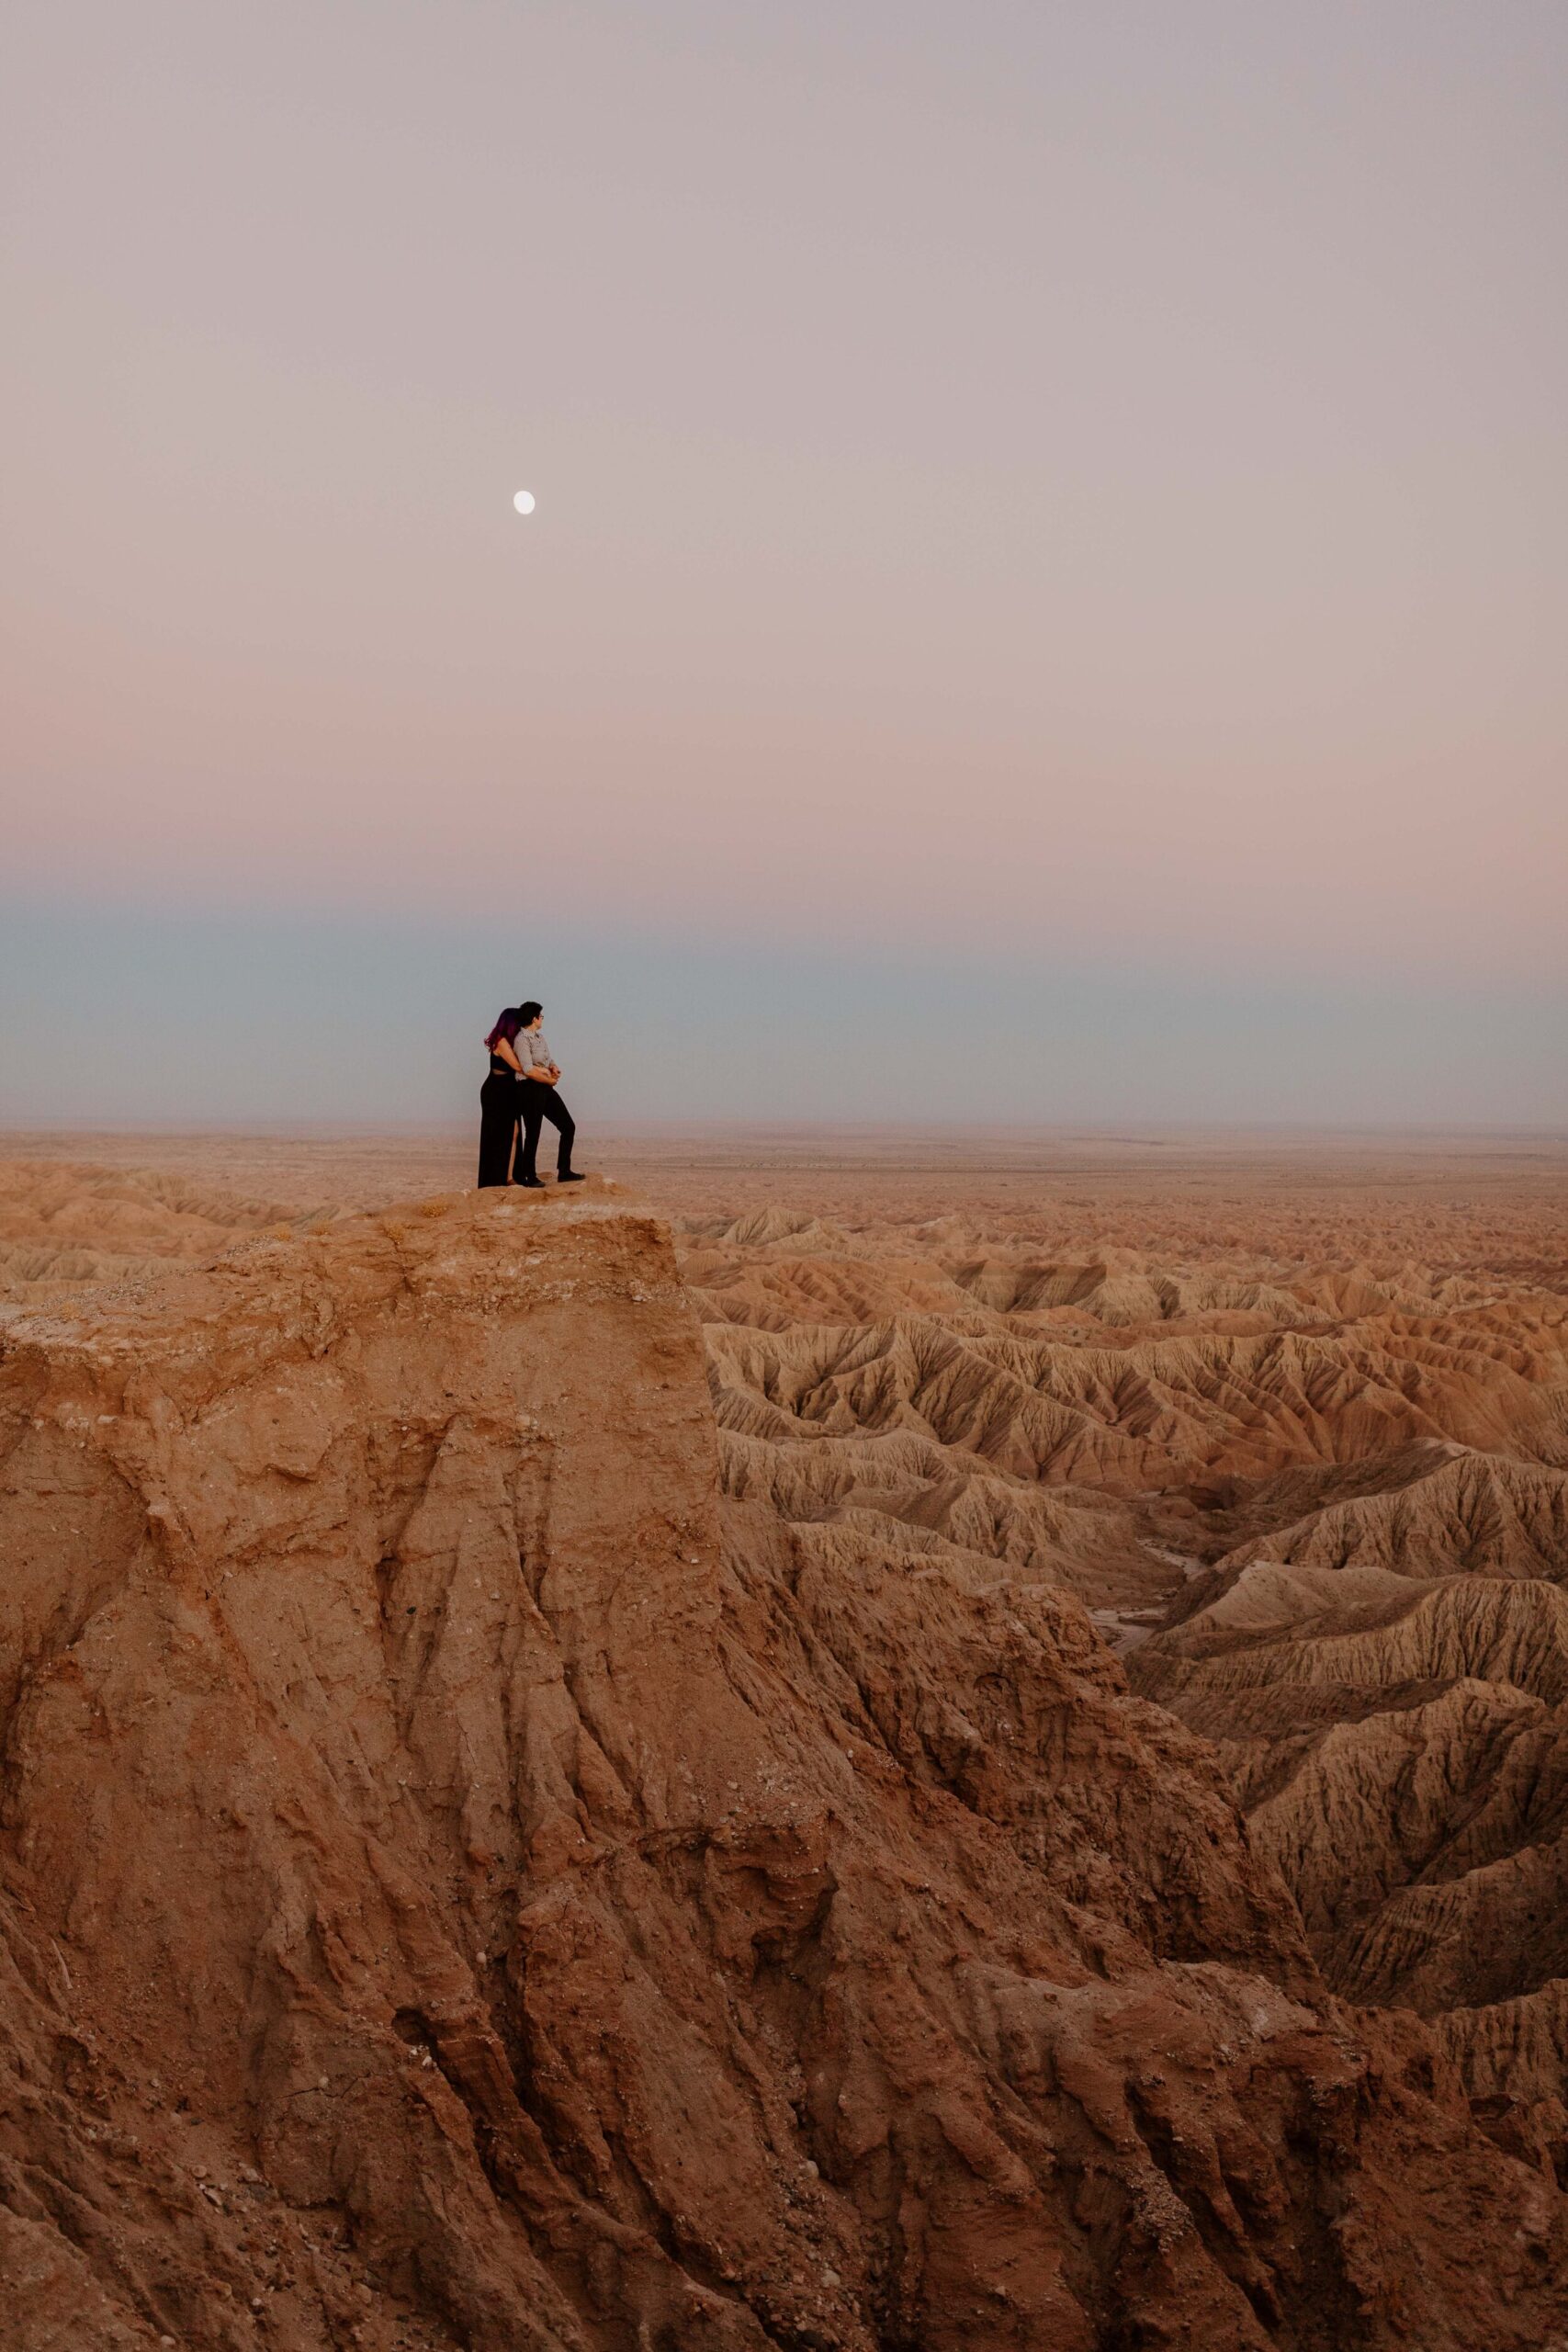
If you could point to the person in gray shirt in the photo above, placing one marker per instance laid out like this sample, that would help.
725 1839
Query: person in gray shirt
540 1079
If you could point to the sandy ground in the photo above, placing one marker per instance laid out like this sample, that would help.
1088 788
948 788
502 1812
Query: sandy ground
1495 1194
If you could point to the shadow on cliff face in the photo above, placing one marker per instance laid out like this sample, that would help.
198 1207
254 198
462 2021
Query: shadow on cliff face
464 1885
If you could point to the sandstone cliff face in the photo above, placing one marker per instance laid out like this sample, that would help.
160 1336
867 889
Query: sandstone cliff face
466 1885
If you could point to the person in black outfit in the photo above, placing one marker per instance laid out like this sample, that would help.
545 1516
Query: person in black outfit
501 1099
541 1100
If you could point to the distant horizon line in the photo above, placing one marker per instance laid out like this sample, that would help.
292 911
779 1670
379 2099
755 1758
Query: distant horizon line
1127 1132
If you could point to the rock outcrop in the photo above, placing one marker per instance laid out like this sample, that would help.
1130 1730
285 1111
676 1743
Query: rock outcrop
466 1883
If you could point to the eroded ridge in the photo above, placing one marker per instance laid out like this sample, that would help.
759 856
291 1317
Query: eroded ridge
1321 1510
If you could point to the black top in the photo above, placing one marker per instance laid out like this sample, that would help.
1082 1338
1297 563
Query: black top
498 1068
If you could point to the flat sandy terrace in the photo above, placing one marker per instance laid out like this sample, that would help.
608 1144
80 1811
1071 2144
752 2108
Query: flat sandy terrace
1497 1198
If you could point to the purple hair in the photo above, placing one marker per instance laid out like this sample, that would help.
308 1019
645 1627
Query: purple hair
508 1025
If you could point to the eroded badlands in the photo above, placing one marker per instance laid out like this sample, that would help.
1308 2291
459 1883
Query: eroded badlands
849 1752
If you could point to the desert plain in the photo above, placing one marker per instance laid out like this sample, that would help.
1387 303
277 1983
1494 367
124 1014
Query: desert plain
847 1739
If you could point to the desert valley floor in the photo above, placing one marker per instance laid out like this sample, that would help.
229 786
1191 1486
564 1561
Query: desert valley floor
845 1740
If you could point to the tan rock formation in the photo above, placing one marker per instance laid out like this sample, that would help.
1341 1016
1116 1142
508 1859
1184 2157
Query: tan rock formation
465 1883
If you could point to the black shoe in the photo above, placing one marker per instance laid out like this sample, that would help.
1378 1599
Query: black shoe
571 1176
528 1183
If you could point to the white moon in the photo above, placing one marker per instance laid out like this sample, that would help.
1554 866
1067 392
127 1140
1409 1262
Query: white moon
524 502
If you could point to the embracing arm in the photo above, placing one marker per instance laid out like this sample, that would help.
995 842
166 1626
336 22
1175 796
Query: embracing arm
504 1049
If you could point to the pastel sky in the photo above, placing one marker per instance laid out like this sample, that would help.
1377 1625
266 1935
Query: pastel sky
1052 520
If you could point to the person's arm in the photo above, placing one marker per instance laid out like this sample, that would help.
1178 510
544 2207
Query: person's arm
504 1049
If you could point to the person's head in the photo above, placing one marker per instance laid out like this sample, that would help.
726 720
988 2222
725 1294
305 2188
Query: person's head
507 1026
528 1014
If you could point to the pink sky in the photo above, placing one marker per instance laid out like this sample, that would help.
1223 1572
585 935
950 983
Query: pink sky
1090 477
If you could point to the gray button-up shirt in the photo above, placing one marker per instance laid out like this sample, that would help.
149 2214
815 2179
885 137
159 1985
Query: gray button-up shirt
529 1046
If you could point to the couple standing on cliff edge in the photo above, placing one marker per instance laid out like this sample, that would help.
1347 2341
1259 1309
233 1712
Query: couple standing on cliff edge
521 1088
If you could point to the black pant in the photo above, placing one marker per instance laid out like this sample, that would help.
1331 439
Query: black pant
497 1125
541 1103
